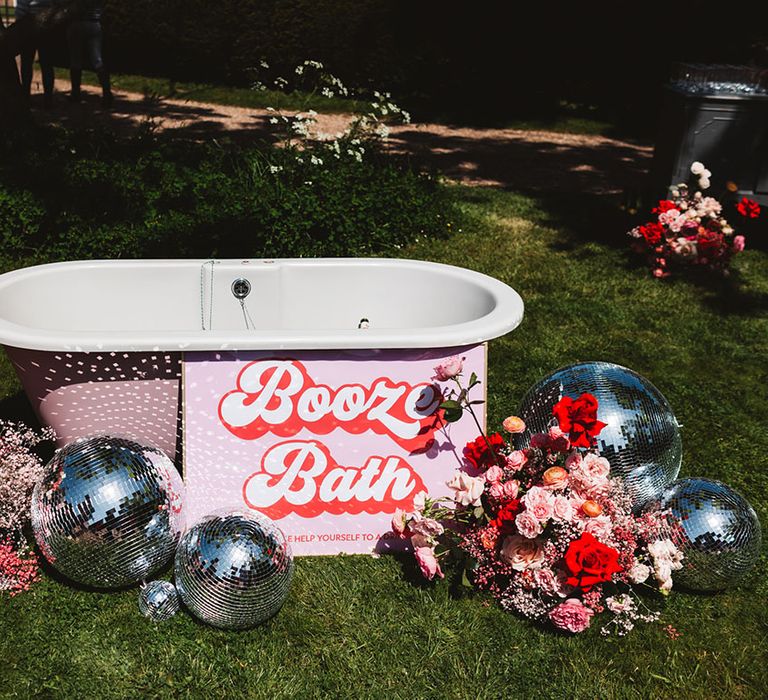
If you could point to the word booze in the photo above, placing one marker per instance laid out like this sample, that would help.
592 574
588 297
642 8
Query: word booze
280 397
301 477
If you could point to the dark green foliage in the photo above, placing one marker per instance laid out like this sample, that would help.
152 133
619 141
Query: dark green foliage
92 195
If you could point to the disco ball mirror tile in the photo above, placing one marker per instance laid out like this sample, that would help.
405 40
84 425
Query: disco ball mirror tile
234 571
641 439
718 533
108 511
158 601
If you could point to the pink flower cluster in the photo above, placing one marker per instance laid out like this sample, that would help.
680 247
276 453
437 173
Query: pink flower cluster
18 570
549 533
690 230
20 470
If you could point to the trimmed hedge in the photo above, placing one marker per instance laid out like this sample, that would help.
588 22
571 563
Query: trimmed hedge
92 195
482 61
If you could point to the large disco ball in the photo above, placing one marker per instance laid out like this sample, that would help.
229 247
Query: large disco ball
158 600
641 439
716 529
108 511
234 571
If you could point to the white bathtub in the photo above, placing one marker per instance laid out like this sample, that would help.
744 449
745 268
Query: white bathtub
98 345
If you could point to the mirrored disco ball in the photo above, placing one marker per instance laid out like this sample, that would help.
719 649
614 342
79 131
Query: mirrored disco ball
158 600
717 530
108 511
234 571
641 439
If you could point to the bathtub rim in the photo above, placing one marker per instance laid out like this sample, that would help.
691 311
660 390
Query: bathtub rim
505 316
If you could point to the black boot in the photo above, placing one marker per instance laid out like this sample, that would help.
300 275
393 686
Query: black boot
106 90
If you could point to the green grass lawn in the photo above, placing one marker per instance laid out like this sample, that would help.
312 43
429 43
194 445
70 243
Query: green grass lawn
359 627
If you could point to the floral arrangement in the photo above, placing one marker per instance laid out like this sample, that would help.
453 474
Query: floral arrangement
20 470
690 229
546 530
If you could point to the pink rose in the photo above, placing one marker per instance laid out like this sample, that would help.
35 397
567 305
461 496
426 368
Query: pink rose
513 424
468 489
600 528
639 573
538 502
496 491
449 368
511 488
572 616
522 553
494 474
738 243
516 459
550 582
428 564
590 478
398 522
562 509
528 525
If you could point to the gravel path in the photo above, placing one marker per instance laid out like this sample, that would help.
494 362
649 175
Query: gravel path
530 161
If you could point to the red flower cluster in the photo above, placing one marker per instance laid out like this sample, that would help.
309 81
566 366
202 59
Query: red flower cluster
652 233
505 517
579 419
664 205
479 455
748 208
590 562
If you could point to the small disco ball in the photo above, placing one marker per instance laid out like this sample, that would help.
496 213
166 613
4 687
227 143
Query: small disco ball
715 528
158 601
641 439
234 571
108 511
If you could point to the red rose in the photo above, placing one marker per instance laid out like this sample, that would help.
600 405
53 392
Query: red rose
664 206
579 419
590 562
710 244
478 454
505 518
652 233
748 208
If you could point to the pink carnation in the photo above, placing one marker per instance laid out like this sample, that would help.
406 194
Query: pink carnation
572 616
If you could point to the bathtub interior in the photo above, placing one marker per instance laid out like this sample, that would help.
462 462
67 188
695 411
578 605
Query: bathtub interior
190 296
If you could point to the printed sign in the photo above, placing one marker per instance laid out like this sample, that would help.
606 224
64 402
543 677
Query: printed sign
328 444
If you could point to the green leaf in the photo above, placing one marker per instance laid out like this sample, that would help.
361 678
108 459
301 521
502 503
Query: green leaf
479 512
465 579
450 405
476 402
453 414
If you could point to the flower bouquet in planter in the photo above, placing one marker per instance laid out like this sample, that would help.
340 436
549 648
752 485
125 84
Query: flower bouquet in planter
690 229
546 530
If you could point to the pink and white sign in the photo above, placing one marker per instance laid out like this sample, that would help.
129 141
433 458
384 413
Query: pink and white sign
326 443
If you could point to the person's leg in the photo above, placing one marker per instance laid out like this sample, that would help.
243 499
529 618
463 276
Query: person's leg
27 67
93 45
75 44
46 68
